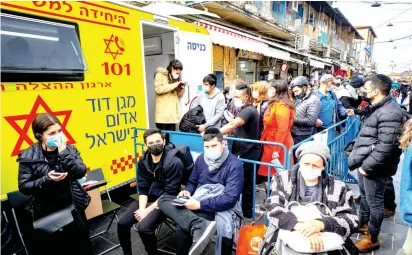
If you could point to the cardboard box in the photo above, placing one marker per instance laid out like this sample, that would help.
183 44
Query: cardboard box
95 207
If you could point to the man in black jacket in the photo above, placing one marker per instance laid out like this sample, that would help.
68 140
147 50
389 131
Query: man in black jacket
376 155
160 171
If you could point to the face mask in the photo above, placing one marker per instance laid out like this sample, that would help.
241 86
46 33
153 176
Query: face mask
229 96
206 89
255 94
175 76
213 155
156 149
271 93
308 174
238 102
54 141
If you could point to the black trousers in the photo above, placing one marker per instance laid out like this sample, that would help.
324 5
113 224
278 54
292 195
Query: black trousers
146 228
389 197
248 185
184 220
167 127
297 139
371 210
70 240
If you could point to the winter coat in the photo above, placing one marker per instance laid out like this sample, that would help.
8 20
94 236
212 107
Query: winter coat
166 178
335 195
213 107
406 187
167 110
49 196
339 111
376 149
278 122
192 119
307 112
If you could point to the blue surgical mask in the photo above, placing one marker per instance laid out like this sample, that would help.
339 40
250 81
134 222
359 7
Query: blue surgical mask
54 141
309 174
213 154
206 89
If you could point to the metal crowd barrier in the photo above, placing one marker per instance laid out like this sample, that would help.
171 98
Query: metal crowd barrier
339 136
195 143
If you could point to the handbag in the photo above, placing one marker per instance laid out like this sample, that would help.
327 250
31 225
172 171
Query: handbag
250 239
61 218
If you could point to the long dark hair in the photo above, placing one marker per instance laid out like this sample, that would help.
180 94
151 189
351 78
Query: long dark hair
41 123
174 64
281 95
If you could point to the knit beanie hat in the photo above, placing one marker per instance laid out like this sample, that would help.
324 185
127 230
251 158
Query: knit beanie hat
313 147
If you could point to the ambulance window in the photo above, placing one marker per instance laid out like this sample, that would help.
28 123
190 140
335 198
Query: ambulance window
46 49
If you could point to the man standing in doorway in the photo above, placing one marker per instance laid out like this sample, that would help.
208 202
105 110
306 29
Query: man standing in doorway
376 155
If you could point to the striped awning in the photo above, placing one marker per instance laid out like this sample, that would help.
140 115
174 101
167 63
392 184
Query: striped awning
228 37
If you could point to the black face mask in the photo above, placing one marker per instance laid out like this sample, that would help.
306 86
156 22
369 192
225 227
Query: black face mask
156 149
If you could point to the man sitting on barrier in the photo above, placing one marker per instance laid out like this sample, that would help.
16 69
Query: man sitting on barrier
308 210
160 171
209 201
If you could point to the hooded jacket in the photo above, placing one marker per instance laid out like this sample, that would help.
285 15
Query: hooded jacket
167 110
166 178
192 119
307 112
213 107
47 195
376 149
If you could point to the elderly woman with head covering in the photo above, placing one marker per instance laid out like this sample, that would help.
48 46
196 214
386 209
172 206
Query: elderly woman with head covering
308 186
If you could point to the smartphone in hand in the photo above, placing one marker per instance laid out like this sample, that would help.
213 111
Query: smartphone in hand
57 174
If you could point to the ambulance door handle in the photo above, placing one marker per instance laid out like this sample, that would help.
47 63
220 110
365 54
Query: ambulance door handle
188 94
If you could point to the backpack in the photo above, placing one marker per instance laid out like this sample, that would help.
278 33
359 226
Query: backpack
186 157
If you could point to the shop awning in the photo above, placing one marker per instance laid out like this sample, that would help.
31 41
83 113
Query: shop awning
169 9
316 63
228 37
297 61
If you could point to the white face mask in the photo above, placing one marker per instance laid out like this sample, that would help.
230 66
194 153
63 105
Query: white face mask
255 94
309 174
238 102
271 93
175 75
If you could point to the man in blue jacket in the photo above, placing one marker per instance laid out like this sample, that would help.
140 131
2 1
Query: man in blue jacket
195 219
331 109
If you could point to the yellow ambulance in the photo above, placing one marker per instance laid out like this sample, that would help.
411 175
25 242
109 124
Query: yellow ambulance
92 65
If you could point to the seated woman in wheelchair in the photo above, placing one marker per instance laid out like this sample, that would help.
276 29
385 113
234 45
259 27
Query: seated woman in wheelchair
308 210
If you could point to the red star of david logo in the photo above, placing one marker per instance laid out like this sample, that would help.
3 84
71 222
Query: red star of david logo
119 48
23 131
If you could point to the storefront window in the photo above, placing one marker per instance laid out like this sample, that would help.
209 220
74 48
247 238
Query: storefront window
246 70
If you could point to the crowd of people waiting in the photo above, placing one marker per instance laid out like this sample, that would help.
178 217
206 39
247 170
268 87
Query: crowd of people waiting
304 202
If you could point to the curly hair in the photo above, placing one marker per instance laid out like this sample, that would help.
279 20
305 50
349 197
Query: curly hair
406 135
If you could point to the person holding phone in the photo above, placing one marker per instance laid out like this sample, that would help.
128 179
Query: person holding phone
48 172
168 87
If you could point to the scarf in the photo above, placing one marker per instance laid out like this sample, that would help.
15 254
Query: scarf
216 164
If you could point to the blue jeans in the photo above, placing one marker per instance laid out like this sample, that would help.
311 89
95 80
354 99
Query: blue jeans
372 190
